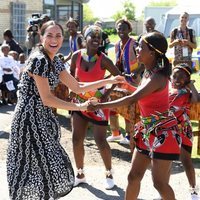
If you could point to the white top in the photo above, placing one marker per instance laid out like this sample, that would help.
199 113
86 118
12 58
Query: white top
7 62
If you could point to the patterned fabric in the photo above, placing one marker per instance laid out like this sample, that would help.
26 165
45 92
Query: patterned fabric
157 137
126 57
37 165
73 42
180 103
178 50
99 116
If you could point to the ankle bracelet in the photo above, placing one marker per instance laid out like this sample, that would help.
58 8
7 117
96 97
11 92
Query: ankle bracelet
109 172
80 171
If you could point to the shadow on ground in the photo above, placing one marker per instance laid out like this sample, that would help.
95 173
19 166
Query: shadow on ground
4 135
102 195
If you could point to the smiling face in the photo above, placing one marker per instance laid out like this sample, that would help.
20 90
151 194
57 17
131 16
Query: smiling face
72 28
180 78
123 30
93 40
184 19
52 40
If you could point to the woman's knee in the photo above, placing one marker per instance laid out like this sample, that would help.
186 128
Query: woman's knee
159 183
135 176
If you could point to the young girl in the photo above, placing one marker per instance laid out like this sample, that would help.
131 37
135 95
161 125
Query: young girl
157 139
182 94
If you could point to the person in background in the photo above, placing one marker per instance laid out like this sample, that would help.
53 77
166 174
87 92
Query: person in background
22 62
75 38
156 137
183 39
37 165
16 69
127 63
89 65
182 94
104 46
9 39
10 72
149 24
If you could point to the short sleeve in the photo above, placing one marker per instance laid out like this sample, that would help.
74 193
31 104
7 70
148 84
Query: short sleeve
38 65
58 64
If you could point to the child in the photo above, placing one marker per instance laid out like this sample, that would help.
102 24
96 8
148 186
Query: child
182 94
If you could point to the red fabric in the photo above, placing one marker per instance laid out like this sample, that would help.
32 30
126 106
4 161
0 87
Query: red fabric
94 74
181 99
157 101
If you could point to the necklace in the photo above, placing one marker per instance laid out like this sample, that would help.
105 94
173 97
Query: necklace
88 58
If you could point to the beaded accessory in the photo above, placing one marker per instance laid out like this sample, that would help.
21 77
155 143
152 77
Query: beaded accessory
109 172
88 58
80 171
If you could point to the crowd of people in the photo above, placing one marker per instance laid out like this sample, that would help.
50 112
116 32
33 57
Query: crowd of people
37 165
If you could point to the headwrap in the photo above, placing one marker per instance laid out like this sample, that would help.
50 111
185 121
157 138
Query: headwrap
96 30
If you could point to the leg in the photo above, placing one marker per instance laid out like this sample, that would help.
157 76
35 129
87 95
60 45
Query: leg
188 166
103 146
114 126
79 129
140 162
160 175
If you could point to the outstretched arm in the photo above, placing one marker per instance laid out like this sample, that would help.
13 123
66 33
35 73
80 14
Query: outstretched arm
155 83
195 95
50 100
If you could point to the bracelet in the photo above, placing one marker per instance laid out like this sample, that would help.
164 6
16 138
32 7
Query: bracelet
78 105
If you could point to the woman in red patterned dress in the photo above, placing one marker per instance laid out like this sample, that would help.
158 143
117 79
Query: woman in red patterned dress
156 137
89 65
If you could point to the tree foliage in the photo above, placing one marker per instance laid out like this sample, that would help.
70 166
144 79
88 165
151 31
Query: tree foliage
128 11
163 3
88 16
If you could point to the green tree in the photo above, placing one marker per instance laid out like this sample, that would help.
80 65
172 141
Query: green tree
163 3
88 16
128 11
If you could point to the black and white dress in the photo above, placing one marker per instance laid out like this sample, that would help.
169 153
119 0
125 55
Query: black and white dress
38 168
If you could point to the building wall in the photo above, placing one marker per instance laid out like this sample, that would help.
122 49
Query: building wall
35 6
158 13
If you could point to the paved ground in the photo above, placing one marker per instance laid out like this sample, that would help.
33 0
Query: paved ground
94 190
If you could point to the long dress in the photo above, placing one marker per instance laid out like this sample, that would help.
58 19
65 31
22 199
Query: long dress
37 166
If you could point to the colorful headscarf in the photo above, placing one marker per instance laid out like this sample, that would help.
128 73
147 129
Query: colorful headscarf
96 30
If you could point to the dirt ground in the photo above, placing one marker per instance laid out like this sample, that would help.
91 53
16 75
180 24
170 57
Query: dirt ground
121 160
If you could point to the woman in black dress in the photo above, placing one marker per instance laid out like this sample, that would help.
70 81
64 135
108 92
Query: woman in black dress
37 165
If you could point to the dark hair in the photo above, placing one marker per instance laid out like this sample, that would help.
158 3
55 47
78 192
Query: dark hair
8 33
50 23
72 20
184 67
157 42
124 21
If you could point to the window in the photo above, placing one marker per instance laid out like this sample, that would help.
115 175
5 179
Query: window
64 13
18 22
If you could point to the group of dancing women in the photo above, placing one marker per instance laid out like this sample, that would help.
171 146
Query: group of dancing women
38 166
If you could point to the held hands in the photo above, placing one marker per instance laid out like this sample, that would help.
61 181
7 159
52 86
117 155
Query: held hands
93 104
117 79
